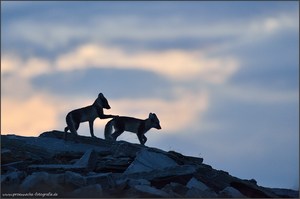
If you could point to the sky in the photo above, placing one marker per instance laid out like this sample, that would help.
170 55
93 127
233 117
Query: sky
222 77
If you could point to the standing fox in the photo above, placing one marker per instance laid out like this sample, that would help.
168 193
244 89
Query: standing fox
89 113
134 125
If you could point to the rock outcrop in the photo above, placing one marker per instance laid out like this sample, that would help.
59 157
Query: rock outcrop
85 167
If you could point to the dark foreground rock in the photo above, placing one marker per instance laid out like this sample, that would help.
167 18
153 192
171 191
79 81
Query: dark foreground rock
85 167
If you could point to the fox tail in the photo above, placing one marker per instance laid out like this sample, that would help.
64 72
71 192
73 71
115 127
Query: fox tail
108 130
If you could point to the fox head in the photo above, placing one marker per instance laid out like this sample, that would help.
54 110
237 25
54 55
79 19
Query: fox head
102 101
154 121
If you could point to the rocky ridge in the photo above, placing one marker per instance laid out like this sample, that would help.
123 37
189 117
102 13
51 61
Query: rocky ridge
48 166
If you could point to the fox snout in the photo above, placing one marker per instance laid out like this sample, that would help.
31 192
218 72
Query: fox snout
158 126
106 105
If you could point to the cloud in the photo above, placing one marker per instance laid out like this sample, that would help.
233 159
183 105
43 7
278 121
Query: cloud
38 112
24 68
175 115
29 113
27 117
179 65
10 64
41 112
259 95
174 64
271 24
106 27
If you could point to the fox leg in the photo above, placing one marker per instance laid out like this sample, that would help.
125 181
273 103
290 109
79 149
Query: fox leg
145 139
91 123
72 125
66 131
73 129
142 138
117 133
107 116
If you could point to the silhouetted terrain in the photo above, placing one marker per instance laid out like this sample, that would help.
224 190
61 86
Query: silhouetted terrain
93 167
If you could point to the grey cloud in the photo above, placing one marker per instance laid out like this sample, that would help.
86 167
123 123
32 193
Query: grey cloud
150 23
118 83
271 64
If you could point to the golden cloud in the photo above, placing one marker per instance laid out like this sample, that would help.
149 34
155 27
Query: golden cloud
28 68
41 113
9 63
174 64
36 113
175 115
27 117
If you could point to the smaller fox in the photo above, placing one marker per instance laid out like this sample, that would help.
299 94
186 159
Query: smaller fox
89 113
134 125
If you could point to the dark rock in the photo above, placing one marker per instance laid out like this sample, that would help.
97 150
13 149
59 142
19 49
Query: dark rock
46 182
6 156
58 168
147 161
53 134
197 184
19 165
199 189
111 164
250 190
86 163
133 182
88 160
163 173
20 148
5 152
285 193
181 159
175 189
43 182
253 181
10 181
160 182
14 177
121 185
67 157
217 180
90 191
83 166
47 147
33 180
125 149
197 193
230 192
77 139
105 179
74 180
149 191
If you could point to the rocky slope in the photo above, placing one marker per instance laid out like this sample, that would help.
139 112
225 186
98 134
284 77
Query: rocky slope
48 166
